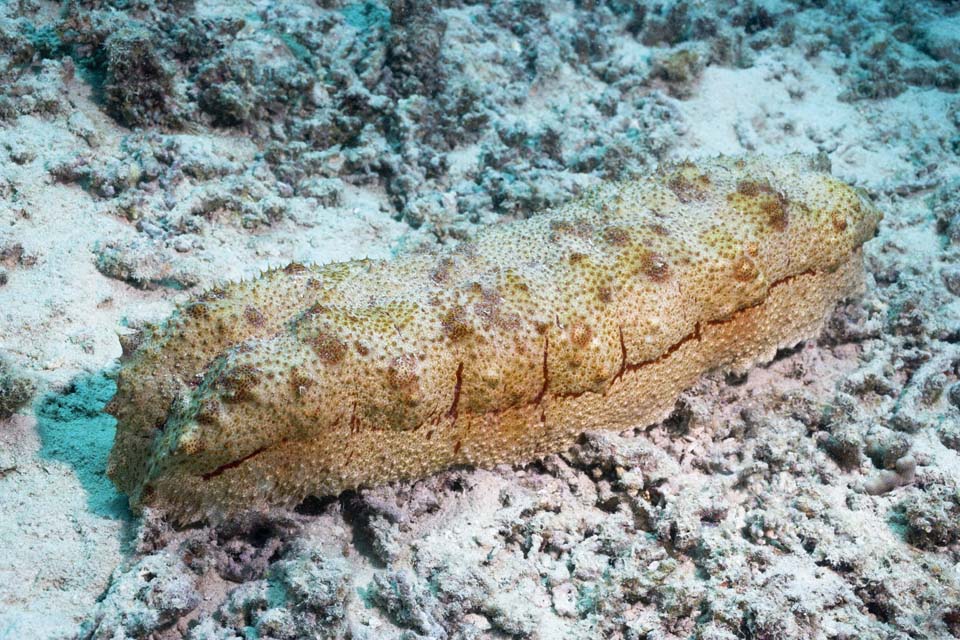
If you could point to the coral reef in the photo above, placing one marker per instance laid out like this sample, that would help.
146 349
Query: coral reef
313 380
156 148
162 593
424 99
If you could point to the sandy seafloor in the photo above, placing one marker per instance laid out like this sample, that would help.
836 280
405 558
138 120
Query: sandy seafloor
150 149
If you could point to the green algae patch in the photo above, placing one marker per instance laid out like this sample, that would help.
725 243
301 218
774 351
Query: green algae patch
75 430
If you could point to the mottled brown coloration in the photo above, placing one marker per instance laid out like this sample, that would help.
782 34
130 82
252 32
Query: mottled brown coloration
593 316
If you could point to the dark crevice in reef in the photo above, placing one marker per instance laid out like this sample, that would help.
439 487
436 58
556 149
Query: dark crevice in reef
357 513
315 505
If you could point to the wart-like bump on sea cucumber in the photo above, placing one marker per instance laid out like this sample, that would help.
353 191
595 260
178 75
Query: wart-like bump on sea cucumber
595 315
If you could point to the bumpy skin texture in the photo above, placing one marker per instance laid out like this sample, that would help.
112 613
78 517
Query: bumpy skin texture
313 380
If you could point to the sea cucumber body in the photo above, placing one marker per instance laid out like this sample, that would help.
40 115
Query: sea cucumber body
313 380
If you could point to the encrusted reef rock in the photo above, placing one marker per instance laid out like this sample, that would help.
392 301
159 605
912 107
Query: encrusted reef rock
596 315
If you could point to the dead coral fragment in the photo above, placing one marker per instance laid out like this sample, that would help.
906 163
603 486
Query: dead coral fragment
139 85
15 390
592 316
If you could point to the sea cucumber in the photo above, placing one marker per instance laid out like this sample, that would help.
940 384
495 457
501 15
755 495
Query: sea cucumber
311 380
